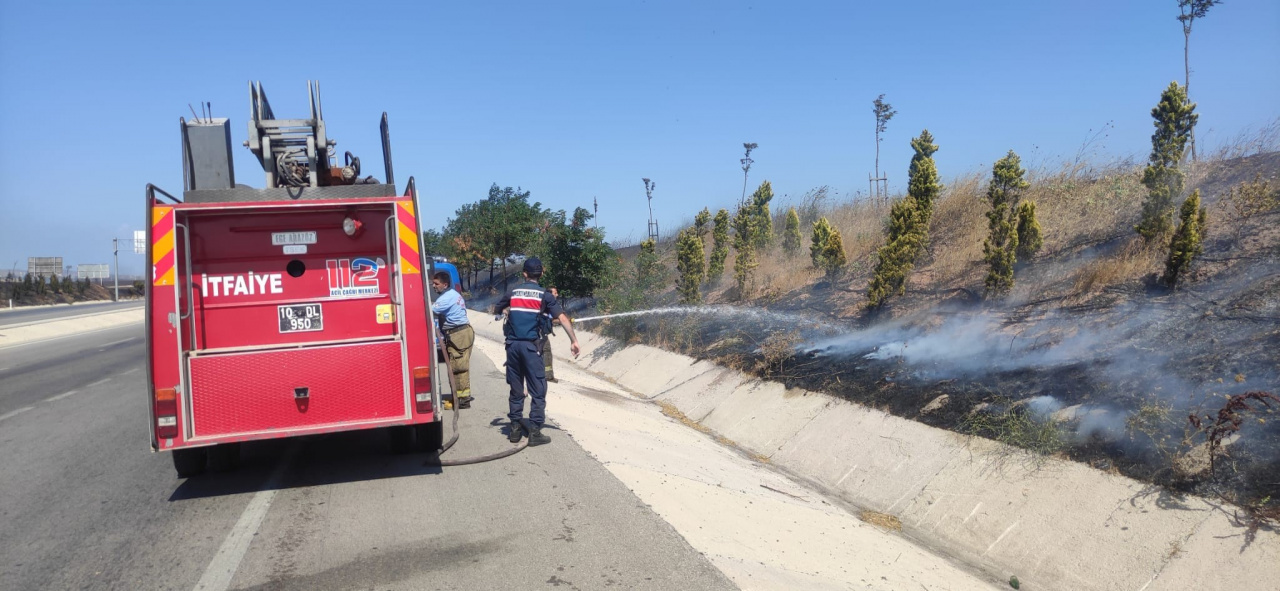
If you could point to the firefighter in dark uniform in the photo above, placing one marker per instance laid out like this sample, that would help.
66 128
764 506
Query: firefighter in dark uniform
525 328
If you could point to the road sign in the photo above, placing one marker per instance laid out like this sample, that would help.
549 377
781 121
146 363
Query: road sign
44 266
139 242
93 271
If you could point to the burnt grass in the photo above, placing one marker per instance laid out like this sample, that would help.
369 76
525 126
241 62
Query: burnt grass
1152 365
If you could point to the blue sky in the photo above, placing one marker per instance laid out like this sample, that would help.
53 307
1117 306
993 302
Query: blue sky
575 100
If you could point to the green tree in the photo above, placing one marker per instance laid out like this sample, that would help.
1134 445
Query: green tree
650 274
700 222
55 284
791 235
720 236
818 242
908 224
744 246
510 223
924 185
1186 242
896 258
1174 117
577 260
689 264
1029 238
833 257
1001 247
762 224
1188 12
432 242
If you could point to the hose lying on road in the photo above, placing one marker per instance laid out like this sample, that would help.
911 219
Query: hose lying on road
454 439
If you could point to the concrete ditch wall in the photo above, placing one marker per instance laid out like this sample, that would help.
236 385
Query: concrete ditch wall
1056 525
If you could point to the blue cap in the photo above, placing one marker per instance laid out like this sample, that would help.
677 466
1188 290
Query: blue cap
533 266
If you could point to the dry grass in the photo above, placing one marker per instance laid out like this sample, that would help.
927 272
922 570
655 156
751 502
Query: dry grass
881 520
1131 261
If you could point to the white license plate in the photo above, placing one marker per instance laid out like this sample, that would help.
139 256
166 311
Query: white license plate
301 318
283 238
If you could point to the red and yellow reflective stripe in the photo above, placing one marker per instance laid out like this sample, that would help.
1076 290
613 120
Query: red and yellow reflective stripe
405 224
162 246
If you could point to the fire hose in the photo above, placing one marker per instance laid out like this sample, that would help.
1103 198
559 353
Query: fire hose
453 387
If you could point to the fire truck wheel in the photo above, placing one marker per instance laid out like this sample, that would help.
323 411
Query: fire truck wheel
401 439
189 462
224 457
430 436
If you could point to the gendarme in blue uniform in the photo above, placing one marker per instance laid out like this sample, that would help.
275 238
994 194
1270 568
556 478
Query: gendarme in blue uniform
527 304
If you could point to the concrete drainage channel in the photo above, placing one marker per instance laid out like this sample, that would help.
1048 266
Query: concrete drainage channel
1053 524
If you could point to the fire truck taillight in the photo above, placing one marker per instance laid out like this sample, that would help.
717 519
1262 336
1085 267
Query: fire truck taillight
352 227
166 413
422 389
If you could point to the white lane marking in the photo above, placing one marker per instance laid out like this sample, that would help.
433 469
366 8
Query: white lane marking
60 396
102 381
4 369
104 346
134 370
15 412
222 569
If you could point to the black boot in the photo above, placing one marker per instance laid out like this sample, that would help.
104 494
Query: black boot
537 438
517 430
464 402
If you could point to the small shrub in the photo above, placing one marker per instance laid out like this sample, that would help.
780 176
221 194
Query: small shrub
1251 198
1029 238
791 235
1186 242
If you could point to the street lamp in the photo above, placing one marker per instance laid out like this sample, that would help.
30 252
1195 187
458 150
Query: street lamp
139 247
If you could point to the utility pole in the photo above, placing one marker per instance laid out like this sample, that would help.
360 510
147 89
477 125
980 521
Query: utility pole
115 247
653 225
595 211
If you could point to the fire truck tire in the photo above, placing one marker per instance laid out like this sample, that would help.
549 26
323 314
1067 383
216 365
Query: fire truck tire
401 437
189 462
430 436
224 457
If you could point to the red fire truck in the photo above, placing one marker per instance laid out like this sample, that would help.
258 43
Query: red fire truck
300 308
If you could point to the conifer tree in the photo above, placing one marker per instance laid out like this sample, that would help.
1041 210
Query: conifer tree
1186 242
650 274
1174 117
720 236
689 264
791 235
1029 238
700 222
908 224
761 219
923 184
833 257
897 257
818 242
745 232
1001 247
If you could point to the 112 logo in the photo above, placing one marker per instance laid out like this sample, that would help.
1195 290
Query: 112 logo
353 277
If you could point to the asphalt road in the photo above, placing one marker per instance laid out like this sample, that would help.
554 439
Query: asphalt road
85 505
40 313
